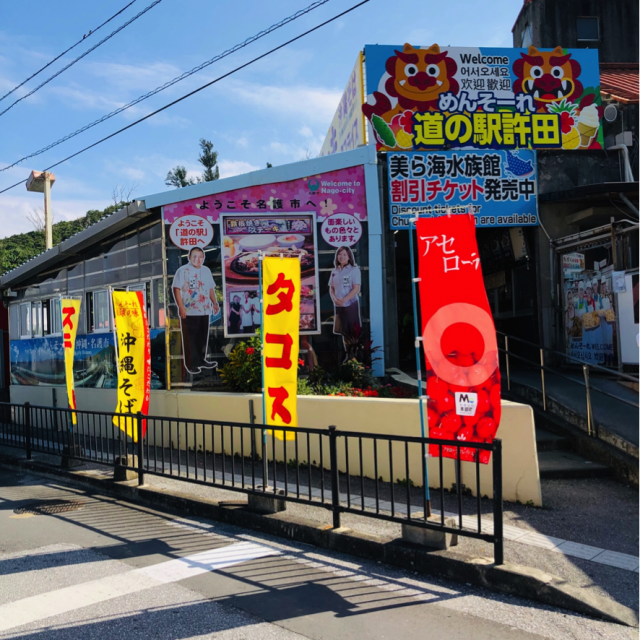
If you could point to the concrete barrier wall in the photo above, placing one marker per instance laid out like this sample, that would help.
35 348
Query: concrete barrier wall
521 478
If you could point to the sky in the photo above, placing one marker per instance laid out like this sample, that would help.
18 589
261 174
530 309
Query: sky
277 110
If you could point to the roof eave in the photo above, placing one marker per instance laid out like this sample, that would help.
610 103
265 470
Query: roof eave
111 224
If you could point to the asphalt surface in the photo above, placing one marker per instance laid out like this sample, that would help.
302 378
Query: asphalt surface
110 569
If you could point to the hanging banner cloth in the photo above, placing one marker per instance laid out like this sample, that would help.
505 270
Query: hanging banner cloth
70 310
459 337
281 322
134 359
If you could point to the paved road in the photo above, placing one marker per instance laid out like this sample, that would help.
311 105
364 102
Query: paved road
110 569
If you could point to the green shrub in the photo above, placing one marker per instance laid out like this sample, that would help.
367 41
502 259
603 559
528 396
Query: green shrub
243 372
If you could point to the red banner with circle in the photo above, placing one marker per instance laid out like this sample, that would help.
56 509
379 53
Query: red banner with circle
459 337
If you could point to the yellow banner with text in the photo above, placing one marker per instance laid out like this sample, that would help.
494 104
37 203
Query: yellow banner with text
281 322
134 359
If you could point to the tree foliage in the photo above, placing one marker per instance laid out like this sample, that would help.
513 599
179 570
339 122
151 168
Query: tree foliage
208 158
177 178
21 247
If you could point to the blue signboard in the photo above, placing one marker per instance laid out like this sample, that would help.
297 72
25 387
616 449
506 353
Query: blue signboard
40 361
499 184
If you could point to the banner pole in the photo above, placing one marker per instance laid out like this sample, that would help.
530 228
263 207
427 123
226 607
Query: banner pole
265 466
418 337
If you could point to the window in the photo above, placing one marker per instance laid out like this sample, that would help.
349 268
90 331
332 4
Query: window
145 287
36 319
98 311
25 320
51 317
527 36
588 29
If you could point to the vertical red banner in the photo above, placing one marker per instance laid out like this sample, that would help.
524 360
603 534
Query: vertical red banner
459 337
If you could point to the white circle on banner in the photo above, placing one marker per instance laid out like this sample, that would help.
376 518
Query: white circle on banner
191 231
341 230
440 321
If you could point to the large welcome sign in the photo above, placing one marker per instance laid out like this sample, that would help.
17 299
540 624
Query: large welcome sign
423 98
459 338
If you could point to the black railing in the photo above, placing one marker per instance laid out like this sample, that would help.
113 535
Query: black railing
371 475
587 368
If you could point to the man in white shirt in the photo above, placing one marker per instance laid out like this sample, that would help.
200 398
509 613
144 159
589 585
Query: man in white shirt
194 293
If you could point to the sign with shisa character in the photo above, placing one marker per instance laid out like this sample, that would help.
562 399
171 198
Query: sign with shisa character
422 98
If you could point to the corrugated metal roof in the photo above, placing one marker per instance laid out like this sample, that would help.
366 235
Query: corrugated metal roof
109 225
619 81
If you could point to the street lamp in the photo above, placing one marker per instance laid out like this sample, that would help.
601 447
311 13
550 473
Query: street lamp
41 182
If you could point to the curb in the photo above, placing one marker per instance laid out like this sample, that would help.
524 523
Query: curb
512 579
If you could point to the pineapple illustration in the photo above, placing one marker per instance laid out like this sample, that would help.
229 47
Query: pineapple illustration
568 122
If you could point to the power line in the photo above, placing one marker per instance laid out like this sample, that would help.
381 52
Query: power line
204 86
170 83
86 53
84 37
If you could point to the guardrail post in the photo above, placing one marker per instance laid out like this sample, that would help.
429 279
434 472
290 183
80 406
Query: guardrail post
335 476
140 448
27 429
506 356
585 369
544 392
498 535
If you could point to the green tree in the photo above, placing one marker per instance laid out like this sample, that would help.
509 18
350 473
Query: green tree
177 178
21 247
208 158
269 165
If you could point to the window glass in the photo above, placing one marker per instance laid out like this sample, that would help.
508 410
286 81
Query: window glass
158 303
14 322
46 321
101 310
89 312
25 320
587 28
55 321
527 36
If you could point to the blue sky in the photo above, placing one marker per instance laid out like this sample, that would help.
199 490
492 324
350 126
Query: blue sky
278 110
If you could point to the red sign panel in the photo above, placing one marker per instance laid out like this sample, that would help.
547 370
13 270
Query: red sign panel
459 338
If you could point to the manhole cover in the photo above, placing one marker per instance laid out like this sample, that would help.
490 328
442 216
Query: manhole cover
50 507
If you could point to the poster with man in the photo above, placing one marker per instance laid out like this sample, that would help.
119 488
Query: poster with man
194 291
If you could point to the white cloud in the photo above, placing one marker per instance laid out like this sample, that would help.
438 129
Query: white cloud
230 168
133 77
306 132
316 104
14 207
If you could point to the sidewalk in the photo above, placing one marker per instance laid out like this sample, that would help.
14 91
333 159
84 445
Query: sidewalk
558 539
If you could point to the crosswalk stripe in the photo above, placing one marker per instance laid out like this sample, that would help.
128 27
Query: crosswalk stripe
53 603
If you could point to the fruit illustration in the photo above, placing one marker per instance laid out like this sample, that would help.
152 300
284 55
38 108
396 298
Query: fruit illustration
404 139
568 122
384 131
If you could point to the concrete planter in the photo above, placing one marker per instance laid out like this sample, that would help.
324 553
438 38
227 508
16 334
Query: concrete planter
521 478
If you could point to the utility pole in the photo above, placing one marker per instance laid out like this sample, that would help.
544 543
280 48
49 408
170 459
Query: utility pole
41 182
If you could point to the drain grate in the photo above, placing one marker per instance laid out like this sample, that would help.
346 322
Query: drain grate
50 507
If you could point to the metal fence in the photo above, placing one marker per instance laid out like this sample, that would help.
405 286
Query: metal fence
563 358
343 471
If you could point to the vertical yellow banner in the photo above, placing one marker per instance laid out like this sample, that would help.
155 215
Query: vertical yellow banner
134 359
70 311
281 326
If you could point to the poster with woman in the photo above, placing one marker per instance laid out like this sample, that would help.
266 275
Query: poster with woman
344 286
194 292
